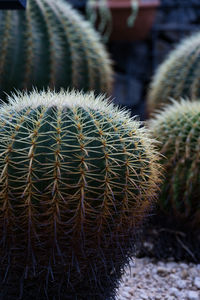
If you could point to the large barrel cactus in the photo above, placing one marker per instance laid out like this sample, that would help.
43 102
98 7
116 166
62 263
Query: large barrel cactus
50 45
177 128
77 176
178 76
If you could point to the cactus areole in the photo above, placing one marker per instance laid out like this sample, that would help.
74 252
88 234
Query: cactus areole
77 175
50 45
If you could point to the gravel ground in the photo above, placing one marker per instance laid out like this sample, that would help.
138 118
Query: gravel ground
148 279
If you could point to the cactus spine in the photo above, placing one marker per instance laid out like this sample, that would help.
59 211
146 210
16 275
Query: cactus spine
50 45
77 177
177 128
178 76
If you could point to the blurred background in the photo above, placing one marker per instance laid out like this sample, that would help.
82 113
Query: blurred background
138 50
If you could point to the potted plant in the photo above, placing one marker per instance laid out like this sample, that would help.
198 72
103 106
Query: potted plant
123 19
121 11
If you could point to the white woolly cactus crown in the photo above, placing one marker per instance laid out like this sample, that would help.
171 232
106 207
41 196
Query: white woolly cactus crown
70 99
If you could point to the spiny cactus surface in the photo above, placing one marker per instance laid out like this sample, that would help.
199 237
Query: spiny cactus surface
177 128
178 76
77 176
50 45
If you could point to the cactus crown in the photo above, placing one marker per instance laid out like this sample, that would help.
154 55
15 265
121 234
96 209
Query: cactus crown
88 123
177 128
50 45
77 176
178 75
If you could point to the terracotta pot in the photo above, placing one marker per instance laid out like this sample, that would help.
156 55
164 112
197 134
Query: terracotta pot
121 10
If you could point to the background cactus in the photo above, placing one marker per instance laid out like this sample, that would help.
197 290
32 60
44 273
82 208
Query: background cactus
178 76
77 177
50 44
177 128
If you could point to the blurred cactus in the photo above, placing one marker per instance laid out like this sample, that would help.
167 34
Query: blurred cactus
50 45
177 128
178 76
77 177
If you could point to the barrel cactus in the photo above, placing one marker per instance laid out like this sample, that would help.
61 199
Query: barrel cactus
178 76
177 128
50 45
77 176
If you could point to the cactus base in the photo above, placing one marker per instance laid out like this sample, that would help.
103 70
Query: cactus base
16 286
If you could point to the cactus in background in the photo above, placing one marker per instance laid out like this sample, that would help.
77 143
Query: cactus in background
77 176
177 128
50 45
178 76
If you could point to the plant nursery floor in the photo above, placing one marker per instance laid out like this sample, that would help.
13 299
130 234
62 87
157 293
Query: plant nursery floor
151 279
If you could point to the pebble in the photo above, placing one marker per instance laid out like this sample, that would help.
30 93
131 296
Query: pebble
197 282
144 297
192 295
181 284
148 279
184 274
162 271
174 292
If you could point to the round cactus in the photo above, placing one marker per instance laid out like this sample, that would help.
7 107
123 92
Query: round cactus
77 176
178 75
50 45
177 128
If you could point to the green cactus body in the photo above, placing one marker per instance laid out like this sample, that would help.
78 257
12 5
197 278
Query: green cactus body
178 76
50 45
77 177
177 128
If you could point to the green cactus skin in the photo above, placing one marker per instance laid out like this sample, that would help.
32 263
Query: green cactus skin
77 176
50 45
177 128
178 76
